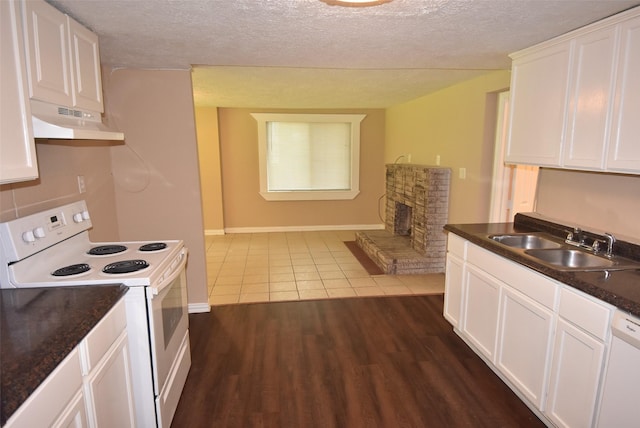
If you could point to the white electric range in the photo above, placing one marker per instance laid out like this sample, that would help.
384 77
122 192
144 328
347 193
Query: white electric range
52 249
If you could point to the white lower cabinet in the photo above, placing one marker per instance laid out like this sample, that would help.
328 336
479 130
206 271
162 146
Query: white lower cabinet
453 287
75 415
91 387
525 339
55 401
582 337
480 303
109 389
575 376
107 372
547 340
456 253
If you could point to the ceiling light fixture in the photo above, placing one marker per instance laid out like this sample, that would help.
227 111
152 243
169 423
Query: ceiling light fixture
355 3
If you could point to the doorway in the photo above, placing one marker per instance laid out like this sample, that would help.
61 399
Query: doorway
514 186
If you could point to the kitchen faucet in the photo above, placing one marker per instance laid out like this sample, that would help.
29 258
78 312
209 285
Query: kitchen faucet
610 240
577 238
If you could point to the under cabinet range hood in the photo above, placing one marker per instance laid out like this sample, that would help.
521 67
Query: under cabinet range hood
63 123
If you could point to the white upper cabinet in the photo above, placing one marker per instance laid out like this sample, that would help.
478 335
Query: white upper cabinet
539 91
17 149
85 67
590 100
576 99
47 53
624 148
63 60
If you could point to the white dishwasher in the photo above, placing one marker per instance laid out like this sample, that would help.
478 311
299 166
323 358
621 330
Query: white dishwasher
620 406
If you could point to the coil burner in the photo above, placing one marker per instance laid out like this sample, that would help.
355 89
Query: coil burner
125 266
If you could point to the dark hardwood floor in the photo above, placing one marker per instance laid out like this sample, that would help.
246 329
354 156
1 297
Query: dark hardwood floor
366 362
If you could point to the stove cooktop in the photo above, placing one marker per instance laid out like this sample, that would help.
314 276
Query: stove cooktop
78 261
52 248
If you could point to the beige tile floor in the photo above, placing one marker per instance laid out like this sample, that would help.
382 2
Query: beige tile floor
269 267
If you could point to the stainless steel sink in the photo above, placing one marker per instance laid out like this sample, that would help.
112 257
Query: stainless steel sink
525 241
571 259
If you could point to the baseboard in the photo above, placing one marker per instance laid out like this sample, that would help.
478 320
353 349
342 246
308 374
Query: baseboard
197 308
316 228
212 232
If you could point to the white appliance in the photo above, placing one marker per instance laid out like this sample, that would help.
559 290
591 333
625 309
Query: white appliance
52 248
57 122
620 406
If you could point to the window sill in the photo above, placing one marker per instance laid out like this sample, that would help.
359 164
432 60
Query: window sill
310 196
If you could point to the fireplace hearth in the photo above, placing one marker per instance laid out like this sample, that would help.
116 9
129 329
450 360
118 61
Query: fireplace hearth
417 207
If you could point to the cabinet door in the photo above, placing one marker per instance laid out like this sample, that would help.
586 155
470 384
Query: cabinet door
524 344
109 388
85 65
575 376
17 147
591 98
624 152
480 318
539 90
47 45
453 289
75 415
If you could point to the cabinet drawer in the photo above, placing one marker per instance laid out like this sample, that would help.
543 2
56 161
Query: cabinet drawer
591 316
103 336
530 283
457 246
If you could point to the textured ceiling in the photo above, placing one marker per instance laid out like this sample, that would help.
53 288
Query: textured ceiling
307 54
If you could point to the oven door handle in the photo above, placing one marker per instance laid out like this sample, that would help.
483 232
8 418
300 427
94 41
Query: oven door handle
170 276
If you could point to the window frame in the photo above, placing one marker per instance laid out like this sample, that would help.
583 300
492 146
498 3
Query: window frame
309 195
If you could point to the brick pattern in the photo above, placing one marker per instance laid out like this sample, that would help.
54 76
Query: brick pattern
425 189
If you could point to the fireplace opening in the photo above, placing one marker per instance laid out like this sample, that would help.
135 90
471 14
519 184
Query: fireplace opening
402 220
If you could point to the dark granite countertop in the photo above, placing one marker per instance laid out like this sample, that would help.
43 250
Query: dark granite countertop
619 288
39 327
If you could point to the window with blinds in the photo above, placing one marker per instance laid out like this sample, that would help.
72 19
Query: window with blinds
309 156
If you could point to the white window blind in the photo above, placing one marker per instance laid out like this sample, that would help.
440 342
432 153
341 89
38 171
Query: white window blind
307 157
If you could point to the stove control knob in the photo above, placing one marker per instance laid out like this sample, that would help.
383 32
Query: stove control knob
39 232
28 236
85 215
77 217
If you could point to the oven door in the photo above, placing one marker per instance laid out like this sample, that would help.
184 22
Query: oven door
168 323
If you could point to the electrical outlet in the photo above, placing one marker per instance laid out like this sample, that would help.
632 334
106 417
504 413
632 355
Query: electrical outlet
462 173
437 159
409 158
81 186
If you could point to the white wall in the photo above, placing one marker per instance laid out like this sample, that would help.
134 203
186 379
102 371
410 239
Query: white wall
606 202
156 174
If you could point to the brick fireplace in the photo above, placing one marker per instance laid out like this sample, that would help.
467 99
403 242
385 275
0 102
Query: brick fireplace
417 208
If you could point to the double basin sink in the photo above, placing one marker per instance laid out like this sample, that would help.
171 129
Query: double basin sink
559 255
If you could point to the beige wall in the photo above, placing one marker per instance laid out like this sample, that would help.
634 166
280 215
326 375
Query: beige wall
457 123
209 160
245 208
156 174
593 201
59 164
